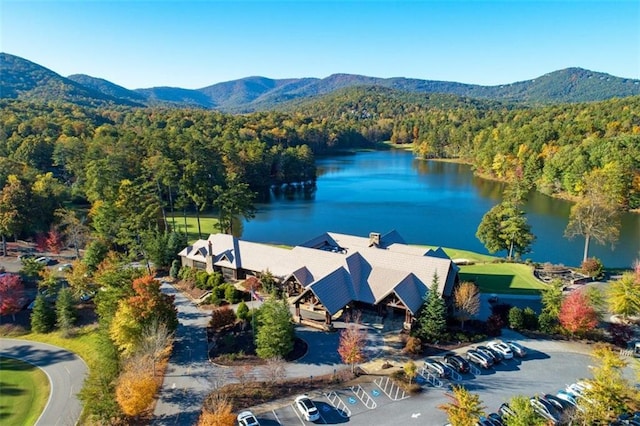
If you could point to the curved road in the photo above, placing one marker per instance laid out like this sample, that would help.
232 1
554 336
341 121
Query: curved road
65 370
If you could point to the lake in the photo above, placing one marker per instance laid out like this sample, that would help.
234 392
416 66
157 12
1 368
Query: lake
428 202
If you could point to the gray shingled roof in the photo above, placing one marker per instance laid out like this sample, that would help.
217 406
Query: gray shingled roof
362 273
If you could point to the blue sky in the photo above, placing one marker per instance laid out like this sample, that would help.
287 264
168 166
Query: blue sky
193 44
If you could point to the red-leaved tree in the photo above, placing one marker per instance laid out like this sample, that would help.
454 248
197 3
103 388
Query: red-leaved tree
352 342
11 292
576 313
54 241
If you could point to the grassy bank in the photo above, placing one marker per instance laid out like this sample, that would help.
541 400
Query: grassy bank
514 278
24 392
208 225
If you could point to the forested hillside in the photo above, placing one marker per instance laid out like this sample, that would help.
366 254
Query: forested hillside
23 79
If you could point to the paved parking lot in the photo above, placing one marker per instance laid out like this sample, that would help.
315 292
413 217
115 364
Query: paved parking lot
377 403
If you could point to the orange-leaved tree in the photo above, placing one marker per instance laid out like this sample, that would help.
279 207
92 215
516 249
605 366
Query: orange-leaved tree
352 342
576 313
217 411
135 391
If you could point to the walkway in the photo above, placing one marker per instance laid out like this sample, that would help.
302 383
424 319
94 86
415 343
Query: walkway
65 370
189 376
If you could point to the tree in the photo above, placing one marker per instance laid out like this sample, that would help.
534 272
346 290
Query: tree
95 253
623 296
275 334
13 206
576 314
466 299
124 329
609 392
217 411
65 311
43 317
235 199
523 413
352 342
135 391
505 227
243 311
595 215
465 408
552 298
410 370
433 316
155 342
11 293
73 229
162 247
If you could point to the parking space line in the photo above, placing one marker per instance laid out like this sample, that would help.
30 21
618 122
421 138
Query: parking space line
340 406
295 410
276 416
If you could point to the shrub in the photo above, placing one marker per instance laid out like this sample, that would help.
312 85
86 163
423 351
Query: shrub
502 310
494 325
175 268
214 299
201 280
214 280
620 334
547 323
530 319
413 346
243 311
231 294
592 267
222 317
516 318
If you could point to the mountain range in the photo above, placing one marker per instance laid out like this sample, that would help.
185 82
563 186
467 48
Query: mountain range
23 79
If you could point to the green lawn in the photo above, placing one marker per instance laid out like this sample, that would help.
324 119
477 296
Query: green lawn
24 391
83 343
515 278
208 225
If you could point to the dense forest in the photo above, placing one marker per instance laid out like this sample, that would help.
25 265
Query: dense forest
131 165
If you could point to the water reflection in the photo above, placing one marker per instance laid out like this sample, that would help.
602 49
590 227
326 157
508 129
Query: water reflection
428 202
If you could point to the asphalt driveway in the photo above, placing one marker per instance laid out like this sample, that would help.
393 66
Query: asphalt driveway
65 370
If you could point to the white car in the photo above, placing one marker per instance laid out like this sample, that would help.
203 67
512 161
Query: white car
246 418
65 267
502 348
307 408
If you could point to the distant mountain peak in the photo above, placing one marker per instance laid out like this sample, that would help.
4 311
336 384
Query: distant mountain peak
27 80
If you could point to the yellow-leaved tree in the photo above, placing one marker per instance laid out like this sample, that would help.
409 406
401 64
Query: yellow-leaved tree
465 408
135 391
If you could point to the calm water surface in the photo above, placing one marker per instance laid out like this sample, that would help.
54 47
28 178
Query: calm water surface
428 202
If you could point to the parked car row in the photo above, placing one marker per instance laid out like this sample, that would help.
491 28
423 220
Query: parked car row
303 405
558 409
495 352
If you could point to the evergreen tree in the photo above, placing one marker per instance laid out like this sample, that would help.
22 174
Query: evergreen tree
433 317
275 331
65 311
42 316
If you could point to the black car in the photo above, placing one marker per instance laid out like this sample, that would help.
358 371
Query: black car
458 363
505 411
494 355
496 419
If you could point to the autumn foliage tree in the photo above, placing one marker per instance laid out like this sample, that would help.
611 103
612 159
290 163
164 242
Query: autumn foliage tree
576 313
466 299
352 341
135 391
464 408
217 411
222 317
11 291
148 304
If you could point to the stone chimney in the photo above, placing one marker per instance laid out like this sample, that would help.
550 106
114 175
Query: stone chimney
209 258
374 239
